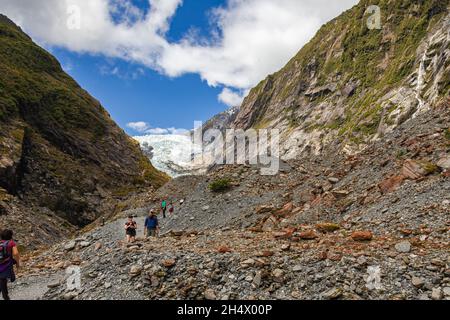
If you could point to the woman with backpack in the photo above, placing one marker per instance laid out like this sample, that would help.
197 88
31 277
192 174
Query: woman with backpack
130 229
9 256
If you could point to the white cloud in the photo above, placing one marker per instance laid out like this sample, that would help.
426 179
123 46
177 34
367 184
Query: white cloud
250 38
145 128
139 126
111 69
231 98
178 131
157 131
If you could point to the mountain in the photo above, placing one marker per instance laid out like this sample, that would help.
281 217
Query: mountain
59 149
222 121
350 84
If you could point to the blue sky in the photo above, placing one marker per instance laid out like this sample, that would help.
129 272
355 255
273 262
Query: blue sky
137 94
161 64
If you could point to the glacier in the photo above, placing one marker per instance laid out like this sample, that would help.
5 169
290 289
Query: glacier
171 153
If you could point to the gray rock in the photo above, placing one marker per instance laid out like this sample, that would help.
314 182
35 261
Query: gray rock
436 294
135 270
403 247
70 246
54 284
210 294
84 244
417 282
446 291
333 180
297 268
257 279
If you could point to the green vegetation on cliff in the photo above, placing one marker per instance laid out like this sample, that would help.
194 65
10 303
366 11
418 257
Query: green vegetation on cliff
348 69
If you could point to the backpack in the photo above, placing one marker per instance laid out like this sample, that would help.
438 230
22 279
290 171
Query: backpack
4 254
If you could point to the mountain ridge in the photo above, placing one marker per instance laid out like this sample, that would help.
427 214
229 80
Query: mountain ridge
350 84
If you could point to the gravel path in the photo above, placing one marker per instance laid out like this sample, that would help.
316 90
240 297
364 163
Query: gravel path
33 287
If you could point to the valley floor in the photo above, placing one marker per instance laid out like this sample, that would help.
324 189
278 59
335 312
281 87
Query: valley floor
369 226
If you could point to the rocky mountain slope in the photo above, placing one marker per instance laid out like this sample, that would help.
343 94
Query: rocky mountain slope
61 155
371 226
350 85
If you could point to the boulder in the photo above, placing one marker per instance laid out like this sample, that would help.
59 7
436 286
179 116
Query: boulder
417 169
417 282
224 249
70 245
331 294
210 294
391 184
169 263
362 235
403 247
444 163
135 270
308 235
327 227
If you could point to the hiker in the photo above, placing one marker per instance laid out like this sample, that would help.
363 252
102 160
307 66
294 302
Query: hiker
9 256
130 229
164 208
171 208
151 225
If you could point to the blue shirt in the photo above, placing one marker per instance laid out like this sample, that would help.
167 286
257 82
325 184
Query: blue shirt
151 222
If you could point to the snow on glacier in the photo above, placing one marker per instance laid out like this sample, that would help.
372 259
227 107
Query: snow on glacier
171 153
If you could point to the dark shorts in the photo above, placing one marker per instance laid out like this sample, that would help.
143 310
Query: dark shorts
8 273
131 232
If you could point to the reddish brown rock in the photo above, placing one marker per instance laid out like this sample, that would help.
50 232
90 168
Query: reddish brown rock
391 184
327 227
417 169
362 236
286 210
266 253
224 249
169 263
334 256
308 235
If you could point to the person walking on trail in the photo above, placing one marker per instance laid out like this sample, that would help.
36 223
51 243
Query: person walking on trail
151 225
130 229
171 208
164 208
9 256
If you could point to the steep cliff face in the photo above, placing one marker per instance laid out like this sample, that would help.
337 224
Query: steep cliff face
59 149
351 84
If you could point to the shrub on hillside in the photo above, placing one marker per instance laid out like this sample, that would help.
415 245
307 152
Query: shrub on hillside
220 185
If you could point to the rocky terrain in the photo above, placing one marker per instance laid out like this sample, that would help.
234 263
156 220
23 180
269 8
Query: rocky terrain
371 226
63 161
360 208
